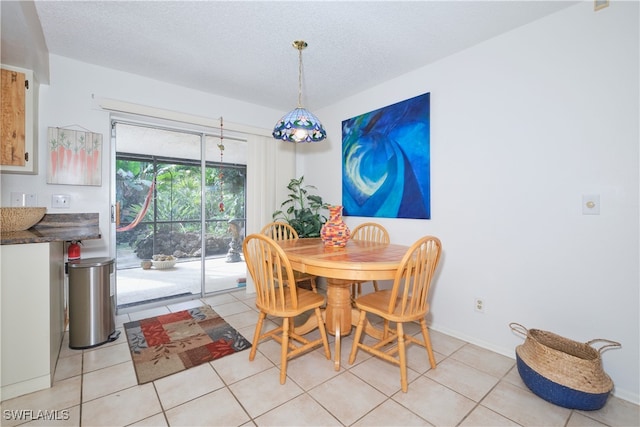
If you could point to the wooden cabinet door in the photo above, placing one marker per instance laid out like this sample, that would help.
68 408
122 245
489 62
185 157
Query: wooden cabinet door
13 118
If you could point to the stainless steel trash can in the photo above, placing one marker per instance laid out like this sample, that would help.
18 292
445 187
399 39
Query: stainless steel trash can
91 308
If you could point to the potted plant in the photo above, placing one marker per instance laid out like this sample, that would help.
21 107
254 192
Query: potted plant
303 209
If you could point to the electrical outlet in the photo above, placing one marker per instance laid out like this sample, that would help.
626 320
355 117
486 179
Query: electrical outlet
478 305
60 201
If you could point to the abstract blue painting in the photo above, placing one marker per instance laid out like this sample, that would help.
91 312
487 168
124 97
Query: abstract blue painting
386 161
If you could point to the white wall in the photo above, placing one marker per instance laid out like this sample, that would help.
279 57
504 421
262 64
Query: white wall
68 102
521 127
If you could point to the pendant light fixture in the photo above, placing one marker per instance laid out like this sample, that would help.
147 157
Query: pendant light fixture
299 125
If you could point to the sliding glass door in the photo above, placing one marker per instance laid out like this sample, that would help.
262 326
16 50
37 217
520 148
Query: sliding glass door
179 214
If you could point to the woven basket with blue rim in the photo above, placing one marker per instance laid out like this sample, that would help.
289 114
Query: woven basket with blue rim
562 371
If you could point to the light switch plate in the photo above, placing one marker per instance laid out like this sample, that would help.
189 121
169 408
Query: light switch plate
23 199
31 200
18 199
590 204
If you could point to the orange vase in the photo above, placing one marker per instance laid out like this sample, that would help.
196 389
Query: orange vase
335 232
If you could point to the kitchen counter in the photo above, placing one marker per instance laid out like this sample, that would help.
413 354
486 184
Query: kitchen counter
57 228
33 276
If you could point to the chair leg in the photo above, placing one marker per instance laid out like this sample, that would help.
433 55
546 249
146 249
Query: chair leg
284 350
323 333
356 288
356 338
337 339
356 291
354 294
313 284
403 357
385 329
427 342
256 335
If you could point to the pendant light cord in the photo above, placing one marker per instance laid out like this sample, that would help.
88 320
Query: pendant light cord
299 77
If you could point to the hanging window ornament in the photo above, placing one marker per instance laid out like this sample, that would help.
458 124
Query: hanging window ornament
221 173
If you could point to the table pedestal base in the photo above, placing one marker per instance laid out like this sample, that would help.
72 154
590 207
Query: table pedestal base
339 316
338 312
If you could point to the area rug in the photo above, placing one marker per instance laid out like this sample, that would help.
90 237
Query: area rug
170 343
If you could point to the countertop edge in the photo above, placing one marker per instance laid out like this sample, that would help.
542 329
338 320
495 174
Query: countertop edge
61 234
56 228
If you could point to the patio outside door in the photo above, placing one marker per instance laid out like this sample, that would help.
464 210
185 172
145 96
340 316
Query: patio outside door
178 215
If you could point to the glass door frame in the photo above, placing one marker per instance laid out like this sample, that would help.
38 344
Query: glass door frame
203 134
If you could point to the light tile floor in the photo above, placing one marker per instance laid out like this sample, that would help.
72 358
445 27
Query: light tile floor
470 387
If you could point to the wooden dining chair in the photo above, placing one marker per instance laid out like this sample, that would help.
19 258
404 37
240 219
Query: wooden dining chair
370 232
406 301
269 267
283 231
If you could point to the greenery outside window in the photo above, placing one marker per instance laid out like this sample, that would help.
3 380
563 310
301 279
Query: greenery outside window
166 212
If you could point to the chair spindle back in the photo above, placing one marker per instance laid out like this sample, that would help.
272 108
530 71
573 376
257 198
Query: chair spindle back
370 232
413 279
279 231
270 269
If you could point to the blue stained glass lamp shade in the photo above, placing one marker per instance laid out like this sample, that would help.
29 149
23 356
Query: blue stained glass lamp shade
299 125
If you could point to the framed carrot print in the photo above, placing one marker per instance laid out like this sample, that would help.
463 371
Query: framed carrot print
75 157
386 161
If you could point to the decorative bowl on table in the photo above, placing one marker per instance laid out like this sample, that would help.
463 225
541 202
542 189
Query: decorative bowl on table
20 218
163 262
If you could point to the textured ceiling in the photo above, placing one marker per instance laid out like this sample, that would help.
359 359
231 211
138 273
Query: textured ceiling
242 49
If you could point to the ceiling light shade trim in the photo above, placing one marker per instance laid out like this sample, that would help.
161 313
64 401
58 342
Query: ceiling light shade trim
299 125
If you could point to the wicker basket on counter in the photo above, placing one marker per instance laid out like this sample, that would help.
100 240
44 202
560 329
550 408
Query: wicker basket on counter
562 371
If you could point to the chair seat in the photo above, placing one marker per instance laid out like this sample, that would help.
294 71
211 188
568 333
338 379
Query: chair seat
306 300
378 303
301 276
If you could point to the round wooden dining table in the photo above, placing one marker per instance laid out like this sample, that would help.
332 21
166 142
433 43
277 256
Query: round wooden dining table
357 261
